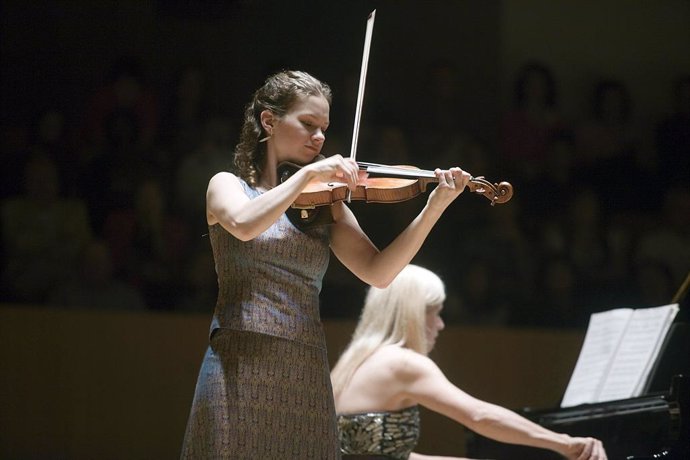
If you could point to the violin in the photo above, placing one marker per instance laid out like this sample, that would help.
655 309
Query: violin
384 184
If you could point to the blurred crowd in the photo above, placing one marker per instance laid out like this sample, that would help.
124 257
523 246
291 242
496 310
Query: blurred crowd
107 211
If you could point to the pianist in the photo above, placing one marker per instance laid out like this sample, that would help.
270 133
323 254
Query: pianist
384 374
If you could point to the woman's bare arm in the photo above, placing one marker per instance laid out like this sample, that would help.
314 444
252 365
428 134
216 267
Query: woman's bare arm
228 205
378 268
427 385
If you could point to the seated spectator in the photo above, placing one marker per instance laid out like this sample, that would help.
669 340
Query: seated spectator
546 193
384 374
610 150
112 174
43 234
125 89
95 287
557 301
214 154
185 109
497 252
50 136
585 229
653 283
479 303
607 133
668 242
526 129
439 116
673 137
149 245
199 283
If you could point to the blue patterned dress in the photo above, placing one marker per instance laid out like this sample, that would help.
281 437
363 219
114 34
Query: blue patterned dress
264 390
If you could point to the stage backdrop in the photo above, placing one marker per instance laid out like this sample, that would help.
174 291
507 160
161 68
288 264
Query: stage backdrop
85 384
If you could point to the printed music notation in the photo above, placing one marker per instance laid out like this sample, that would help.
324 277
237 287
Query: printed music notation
618 353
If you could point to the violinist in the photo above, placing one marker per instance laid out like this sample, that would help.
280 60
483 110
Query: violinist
384 374
264 389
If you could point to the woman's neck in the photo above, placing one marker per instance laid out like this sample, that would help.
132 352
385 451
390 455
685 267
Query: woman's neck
269 176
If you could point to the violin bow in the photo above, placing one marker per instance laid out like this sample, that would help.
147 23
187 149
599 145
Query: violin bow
362 83
496 193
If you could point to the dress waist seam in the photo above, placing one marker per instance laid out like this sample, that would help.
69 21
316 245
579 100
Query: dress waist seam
217 329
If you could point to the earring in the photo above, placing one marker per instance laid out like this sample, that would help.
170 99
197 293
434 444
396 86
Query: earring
265 138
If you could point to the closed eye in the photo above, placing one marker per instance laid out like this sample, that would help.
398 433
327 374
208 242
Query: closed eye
311 125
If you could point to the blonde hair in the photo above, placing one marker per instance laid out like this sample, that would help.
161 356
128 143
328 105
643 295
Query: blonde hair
393 315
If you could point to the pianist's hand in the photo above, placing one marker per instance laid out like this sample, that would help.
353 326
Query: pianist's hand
586 449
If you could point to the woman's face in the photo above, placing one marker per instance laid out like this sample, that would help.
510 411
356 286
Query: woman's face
434 324
298 136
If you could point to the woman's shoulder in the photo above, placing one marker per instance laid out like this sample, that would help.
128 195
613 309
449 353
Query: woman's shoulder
403 362
224 176
225 179
391 353
402 374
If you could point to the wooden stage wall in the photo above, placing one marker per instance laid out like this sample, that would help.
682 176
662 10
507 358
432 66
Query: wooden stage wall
114 385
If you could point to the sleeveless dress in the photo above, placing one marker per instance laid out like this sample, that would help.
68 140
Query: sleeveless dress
264 390
379 435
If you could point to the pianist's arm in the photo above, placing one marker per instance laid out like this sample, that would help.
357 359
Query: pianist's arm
426 384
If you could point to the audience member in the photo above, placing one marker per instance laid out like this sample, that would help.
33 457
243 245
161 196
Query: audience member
199 283
125 89
607 133
621 236
500 244
440 115
586 235
197 167
149 245
112 175
477 303
95 287
14 145
550 191
526 129
49 136
654 284
610 152
557 300
43 234
673 137
391 146
184 114
668 241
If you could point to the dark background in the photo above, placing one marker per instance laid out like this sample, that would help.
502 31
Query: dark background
58 55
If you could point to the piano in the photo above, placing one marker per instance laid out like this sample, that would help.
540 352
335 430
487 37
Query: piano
655 425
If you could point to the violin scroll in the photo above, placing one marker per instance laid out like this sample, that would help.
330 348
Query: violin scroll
496 193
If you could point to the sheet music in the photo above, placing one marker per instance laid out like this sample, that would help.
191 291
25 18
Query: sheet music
633 361
619 350
601 342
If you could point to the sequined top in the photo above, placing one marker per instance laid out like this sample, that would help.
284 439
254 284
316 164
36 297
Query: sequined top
271 283
394 434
